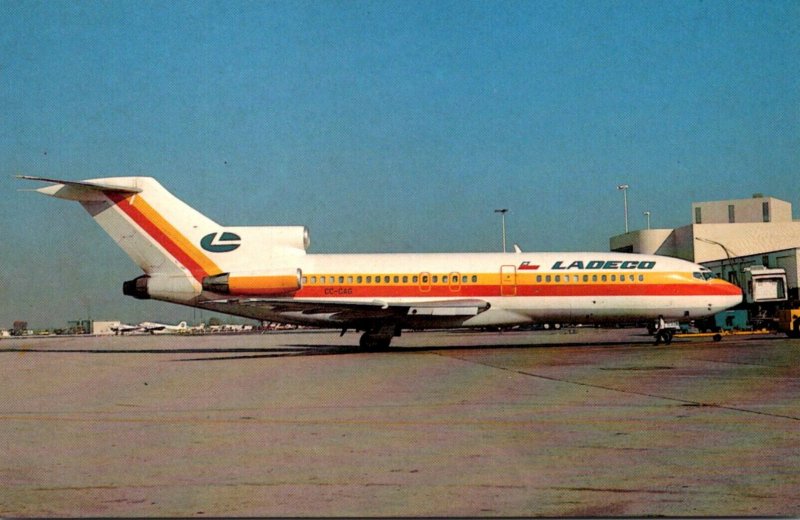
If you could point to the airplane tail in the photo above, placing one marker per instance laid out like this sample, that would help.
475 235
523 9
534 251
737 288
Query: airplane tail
180 250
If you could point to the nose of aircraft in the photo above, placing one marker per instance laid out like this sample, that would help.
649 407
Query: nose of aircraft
727 295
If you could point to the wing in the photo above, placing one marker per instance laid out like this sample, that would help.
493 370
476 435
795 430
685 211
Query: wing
359 310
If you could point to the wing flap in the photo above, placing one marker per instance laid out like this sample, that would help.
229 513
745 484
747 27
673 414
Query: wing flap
364 309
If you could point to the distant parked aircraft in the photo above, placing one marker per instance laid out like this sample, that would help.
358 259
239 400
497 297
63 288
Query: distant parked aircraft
150 327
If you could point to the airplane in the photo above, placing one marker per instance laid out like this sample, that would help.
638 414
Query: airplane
151 327
122 328
161 328
265 273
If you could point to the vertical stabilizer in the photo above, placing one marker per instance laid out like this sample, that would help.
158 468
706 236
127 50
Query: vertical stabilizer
160 233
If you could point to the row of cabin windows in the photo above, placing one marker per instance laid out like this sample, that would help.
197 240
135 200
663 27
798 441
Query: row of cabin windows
453 279
576 278
464 279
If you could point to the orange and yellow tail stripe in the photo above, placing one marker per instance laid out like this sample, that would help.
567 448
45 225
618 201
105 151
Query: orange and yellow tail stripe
166 235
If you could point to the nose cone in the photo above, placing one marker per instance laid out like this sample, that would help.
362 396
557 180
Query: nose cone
727 295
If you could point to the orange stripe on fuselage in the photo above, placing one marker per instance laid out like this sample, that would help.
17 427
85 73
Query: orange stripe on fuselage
166 235
655 284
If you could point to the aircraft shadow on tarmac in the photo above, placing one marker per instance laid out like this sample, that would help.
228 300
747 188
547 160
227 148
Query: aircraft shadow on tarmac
294 350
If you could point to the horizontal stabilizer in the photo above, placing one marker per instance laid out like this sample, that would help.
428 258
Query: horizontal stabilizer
76 188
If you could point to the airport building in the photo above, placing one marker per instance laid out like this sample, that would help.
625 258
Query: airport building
728 237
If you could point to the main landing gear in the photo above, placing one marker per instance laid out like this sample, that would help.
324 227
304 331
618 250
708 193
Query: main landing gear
378 338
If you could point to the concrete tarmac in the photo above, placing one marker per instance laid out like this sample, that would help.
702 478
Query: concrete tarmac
558 423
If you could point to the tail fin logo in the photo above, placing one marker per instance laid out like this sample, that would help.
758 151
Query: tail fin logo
220 242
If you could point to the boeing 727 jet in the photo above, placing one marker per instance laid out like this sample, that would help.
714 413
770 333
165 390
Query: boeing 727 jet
265 273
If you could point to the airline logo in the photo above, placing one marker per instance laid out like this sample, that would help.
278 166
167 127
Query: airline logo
221 242
603 264
526 266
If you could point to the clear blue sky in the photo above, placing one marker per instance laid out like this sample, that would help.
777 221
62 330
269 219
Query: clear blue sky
383 126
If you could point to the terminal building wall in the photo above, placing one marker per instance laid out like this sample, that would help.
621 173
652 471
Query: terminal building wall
757 231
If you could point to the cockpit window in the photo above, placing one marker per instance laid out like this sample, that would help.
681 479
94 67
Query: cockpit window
697 275
708 275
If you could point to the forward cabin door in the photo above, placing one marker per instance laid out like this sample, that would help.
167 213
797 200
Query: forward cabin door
508 280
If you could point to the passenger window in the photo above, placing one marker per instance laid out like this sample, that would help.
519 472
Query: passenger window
538 278
369 279
385 279
359 279
444 279
604 278
304 280
313 279
414 279
613 278
435 278
464 279
594 277
405 279
424 279
548 278
341 279
349 279
474 278
585 278
641 277
558 277
396 279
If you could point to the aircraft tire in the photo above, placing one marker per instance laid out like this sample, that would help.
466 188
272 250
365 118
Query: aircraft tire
374 342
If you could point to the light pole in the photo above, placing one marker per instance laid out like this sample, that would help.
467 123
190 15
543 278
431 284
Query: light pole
647 214
624 188
503 216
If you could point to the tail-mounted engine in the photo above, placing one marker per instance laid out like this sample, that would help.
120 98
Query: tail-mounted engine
269 283
136 288
178 289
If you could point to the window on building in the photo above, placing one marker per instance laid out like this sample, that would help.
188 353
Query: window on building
765 211
698 216
731 213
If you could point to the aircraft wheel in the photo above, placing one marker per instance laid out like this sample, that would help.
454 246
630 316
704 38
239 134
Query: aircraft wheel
374 342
